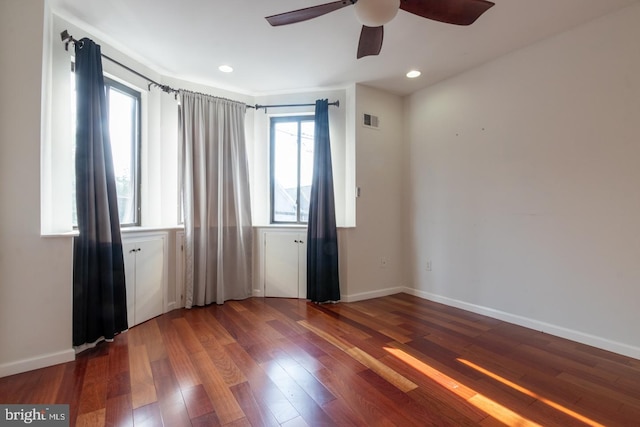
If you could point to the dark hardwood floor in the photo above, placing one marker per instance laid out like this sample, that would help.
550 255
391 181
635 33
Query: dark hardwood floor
392 361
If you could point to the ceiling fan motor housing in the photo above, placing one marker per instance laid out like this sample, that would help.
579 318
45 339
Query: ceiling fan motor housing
375 13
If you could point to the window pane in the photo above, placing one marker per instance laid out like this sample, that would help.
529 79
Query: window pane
306 167
124 129
292 155
285 172
122 126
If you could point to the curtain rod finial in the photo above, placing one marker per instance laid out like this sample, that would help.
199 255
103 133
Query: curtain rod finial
66 38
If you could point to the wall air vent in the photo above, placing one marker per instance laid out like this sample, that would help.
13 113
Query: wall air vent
370 121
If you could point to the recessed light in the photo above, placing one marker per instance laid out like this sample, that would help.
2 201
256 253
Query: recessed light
225 68
413 74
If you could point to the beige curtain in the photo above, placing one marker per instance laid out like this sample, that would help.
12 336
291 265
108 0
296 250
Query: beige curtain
215 192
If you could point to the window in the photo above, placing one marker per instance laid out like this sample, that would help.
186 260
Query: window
292 140
123 104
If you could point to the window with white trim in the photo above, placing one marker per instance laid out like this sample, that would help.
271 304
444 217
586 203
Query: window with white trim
291 150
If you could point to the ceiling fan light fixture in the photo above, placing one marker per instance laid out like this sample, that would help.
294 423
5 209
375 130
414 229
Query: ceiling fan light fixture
375 13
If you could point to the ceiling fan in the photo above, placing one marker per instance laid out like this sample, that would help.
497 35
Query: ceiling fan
373 14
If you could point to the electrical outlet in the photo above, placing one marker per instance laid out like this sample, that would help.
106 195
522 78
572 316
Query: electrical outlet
428 265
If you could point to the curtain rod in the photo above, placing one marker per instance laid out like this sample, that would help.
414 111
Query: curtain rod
258 106
68 38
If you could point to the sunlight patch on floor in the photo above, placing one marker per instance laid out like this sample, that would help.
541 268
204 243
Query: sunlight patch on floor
494 409
530 393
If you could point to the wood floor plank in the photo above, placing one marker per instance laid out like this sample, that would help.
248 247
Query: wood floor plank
389 374
13 387
257 412
93 397
332 357
437 398
174 411
172 406
290 348
214 328
48 385
197 401
287 329
364 358
147 416
227 368
91 419
71 386
226 407
598 389
119 411
216 390
143 389
335 340
304 404
209 342
305 380
353 396
119 368
391 361
396 334
342 414
179 358
265 390
149 333
401 400
373 406
352 317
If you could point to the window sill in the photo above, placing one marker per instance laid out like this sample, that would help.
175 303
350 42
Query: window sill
289 226
123 231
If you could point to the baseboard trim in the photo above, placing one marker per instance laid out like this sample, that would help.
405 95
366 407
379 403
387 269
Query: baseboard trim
372 294
570 334
43 361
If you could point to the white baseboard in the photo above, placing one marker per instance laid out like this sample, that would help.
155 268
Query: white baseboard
570 334
43 361
373 294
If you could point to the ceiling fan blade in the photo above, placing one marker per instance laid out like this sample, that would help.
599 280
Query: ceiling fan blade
370 41
307 13
459 12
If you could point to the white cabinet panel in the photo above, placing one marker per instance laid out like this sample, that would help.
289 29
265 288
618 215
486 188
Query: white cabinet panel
302 267
145 275
129 251
149 269
285 264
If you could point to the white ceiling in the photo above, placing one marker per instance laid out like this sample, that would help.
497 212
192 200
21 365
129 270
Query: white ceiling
189 39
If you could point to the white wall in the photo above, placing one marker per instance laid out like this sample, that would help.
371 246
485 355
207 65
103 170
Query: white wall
525 186
35 273
378 233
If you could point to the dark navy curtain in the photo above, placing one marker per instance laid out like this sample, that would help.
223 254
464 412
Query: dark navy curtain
323 284
99 295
